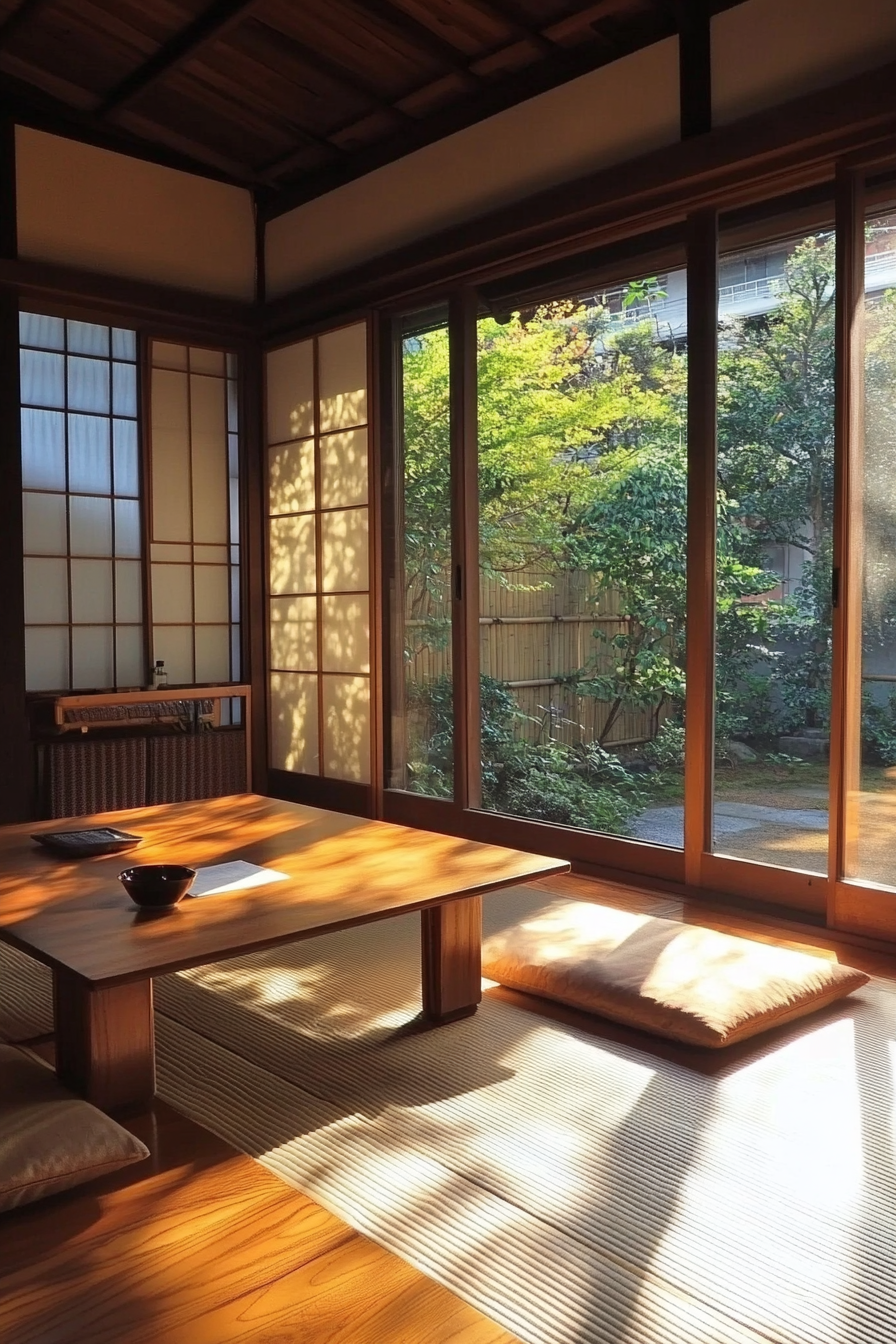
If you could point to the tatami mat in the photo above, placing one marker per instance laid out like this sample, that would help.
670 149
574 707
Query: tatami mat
577 1189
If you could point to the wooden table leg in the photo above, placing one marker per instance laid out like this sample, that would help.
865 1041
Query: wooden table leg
104 1041
452 959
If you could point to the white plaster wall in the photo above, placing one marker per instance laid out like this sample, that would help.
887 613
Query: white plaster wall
766 52
107 212
615 113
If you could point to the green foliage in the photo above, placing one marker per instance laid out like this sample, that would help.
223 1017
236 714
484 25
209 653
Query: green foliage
879 730
547 780
583 467
666 750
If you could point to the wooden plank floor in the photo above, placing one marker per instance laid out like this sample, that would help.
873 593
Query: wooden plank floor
201 1245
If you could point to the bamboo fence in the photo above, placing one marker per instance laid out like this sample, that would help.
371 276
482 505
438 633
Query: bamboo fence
534 635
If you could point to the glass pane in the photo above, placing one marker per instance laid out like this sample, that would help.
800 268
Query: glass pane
346 710
235 666
43 378
233 419
92 595
422 751
291 477
129 664
583 540
294 723
294 634
46 659
235 593
43 449
773 563
125 458
90 525
85 338
127 527
124 389
92 665
124 344
89 465
870 853
46 592
46 332
44 523
343 378
88 385
346 633
343 469
128 591
293 561
234 488
344 551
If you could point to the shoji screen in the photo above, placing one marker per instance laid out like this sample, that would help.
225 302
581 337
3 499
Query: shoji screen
81 501
194 549
318 546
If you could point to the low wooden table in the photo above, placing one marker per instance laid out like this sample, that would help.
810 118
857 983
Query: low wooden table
74 915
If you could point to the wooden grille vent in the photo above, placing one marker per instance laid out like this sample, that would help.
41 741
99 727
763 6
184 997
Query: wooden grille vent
113 773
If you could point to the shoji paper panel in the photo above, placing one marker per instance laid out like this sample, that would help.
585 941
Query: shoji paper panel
290 392
342 375
319 637
208 441
346 706
294 634
343 469
195 538
291 477
294 723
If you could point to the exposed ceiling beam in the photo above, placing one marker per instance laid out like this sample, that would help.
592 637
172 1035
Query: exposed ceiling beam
511 17
32 106
563 65
418 34
212 23
335 70
695 66
22 14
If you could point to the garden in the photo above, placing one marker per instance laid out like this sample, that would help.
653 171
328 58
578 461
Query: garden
583 530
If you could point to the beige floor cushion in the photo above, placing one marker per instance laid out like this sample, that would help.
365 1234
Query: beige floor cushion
50 1140
676 980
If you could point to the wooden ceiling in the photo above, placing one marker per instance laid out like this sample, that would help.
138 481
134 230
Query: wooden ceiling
294 97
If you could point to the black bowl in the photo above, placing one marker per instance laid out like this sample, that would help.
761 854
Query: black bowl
157 885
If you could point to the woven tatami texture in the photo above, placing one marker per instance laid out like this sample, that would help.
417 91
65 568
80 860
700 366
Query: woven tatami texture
579 1190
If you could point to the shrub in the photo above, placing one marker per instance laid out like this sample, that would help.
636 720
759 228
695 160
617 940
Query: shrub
585 787
666 751
879 731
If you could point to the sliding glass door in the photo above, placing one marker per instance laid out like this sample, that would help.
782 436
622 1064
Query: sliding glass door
582 487
628 527
421 759
774 540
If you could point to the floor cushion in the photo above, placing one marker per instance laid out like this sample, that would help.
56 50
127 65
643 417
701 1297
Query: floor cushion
676 980
51 1140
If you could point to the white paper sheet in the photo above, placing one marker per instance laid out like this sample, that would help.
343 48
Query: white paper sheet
235 876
